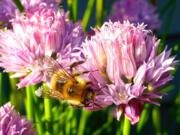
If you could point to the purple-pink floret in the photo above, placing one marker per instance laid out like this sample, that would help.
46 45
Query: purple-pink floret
125 65
7 10
41 33
11 123
29 4
136 11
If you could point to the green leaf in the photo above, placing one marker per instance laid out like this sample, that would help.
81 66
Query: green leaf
87 14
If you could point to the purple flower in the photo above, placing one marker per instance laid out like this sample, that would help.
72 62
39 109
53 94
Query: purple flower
42 33
136 11
11 123
29 4
123 61
7 9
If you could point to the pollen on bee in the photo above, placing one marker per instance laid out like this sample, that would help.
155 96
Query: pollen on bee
80 80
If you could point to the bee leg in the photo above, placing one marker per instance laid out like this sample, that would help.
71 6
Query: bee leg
75 64
83 72
78 74
76 106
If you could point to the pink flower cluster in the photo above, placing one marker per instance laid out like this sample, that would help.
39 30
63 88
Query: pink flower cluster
11 123
8 9
124 66
40 33
128 68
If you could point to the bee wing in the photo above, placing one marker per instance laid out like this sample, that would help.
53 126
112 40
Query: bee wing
47 93
54 67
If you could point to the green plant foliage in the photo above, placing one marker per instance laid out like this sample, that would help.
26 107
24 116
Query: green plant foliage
52 117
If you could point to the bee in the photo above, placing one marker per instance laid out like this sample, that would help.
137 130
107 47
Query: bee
70 87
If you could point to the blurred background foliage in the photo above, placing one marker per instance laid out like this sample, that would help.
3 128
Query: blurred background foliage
66 120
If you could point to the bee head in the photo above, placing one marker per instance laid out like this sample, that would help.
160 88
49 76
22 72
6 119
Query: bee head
90 93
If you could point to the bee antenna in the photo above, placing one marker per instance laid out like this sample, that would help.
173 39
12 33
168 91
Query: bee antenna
75 64
84 72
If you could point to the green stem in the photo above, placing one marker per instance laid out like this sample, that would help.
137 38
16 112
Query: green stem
71 121
38 123
68 120
74 124
144 118
69 2
99 12
29 103
119 129
156 120
62 118
14 95
87 14
75 9
47 111
19 5
127 126
37 112
83 120
13 83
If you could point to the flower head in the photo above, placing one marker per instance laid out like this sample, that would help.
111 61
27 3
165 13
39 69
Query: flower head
29 4
11 123
127 66
136 11
41 33
7 9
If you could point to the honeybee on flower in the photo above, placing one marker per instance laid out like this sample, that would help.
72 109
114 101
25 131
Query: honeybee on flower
40 33
68 86
125 55
37 35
